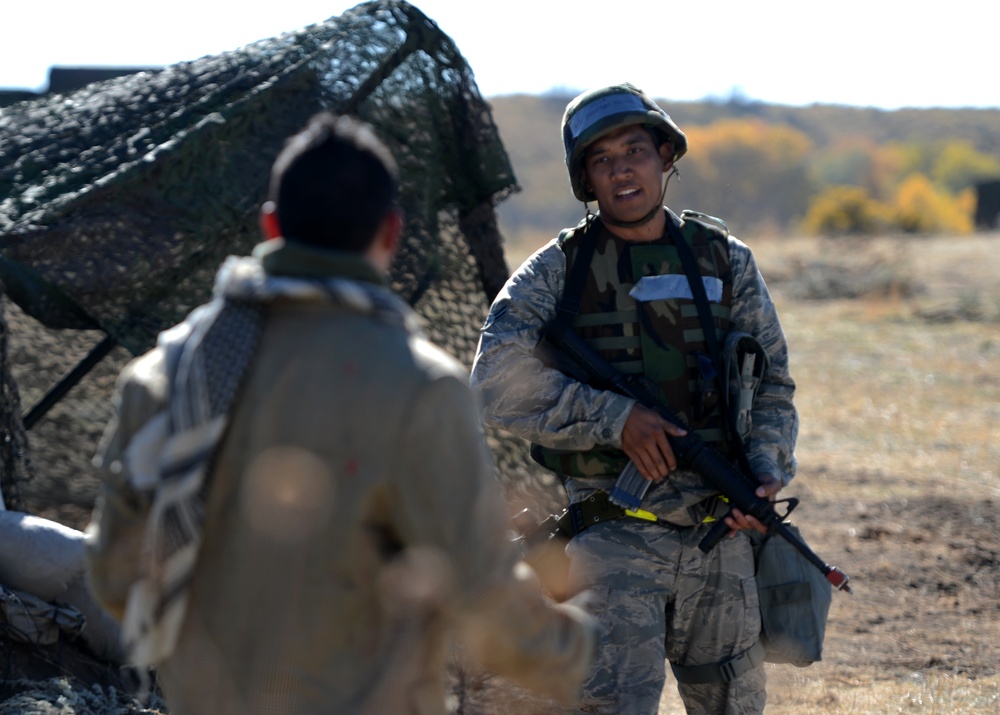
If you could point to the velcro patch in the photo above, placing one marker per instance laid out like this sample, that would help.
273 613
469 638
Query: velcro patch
674 286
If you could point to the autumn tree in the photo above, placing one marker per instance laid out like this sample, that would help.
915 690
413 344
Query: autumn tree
845 211
750 173
959 166
921 207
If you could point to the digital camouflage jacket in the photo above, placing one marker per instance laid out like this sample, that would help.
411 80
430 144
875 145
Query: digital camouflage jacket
523 395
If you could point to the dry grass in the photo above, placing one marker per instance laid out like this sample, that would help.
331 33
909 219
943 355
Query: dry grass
905 385
811 691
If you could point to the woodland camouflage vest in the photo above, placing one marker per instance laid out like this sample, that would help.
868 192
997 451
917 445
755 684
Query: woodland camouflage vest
658 336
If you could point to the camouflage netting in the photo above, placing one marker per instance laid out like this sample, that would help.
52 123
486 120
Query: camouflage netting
15 464
119 201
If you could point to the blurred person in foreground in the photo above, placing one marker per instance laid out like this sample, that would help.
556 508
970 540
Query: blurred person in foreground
298 507
620 280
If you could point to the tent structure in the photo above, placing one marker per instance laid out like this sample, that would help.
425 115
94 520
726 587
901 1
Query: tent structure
118 201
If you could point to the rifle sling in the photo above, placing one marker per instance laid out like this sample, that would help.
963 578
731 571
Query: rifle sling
686 255
568 306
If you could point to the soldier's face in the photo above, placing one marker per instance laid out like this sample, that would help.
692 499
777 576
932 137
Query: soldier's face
624 169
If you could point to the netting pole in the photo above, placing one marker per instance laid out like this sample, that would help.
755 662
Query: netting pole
68 380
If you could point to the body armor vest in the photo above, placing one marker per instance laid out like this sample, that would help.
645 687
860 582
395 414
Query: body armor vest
638 312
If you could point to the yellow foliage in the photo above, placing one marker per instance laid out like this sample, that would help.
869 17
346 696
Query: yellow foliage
764 172
966 201
777 145
845 210
919 207
756 171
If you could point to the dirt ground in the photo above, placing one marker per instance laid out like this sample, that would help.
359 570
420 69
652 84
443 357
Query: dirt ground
926 578
924 559
925 574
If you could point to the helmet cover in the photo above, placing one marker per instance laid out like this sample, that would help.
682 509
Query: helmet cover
598 112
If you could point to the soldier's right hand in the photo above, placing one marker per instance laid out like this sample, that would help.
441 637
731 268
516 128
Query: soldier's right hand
644 439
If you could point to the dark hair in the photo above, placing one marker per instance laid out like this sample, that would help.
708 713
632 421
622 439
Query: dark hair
333 184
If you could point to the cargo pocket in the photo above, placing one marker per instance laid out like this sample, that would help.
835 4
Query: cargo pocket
751 615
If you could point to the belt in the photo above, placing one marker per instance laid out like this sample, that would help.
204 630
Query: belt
595 509
598 507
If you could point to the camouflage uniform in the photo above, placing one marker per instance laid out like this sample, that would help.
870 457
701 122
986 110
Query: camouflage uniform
658 596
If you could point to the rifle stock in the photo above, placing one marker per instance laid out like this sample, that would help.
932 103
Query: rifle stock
693 453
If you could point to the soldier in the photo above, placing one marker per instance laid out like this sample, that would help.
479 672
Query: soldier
299 506
620 280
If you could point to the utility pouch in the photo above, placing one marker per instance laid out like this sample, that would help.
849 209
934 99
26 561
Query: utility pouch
743 363
794 601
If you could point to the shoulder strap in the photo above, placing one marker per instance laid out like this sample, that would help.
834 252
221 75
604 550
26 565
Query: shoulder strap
686 255
568 306
713 222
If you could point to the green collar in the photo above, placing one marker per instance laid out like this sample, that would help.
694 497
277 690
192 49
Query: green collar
289 258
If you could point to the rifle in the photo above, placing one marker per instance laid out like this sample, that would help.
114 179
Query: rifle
692 453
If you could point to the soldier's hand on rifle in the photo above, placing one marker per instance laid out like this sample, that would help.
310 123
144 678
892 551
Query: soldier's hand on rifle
644 439
768 489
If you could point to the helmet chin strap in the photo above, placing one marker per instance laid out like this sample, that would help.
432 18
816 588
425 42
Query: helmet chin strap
652 212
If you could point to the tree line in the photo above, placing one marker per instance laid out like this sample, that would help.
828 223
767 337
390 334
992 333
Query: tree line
771 169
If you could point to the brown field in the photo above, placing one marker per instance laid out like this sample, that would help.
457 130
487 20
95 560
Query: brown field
896 349
899 394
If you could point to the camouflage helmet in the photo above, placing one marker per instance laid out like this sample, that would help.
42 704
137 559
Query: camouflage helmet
600 111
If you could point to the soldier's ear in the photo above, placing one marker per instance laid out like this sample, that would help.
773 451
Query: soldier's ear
269 221
386 241
667 154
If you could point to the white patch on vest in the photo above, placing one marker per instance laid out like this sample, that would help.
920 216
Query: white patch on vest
674 286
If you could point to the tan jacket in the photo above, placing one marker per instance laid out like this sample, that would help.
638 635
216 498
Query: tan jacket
353 520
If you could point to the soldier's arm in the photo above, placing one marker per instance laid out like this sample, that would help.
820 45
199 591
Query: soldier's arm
775 421
453 517
117 527
517 391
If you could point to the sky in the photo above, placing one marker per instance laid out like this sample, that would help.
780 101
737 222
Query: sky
887 54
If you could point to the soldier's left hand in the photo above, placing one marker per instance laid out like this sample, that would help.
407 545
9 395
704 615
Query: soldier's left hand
768 489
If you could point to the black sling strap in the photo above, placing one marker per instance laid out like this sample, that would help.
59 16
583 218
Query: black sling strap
568 306
697 291
694 277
